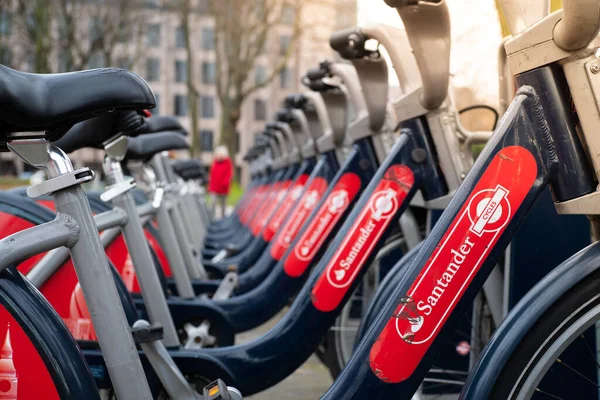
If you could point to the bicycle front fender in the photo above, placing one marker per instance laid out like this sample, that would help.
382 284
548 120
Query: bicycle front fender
523 316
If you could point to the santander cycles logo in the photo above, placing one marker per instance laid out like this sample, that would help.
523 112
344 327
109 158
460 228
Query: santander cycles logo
338 202
489 210
311 200
322 224
382 206
308 204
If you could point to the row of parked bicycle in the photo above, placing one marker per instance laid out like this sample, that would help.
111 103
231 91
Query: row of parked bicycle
411 270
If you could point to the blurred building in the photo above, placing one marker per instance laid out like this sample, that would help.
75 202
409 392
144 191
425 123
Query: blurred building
163 64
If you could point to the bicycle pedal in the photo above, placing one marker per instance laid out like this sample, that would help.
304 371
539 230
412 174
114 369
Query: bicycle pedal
217 390
147 334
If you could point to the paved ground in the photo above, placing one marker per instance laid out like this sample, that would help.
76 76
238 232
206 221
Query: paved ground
309 382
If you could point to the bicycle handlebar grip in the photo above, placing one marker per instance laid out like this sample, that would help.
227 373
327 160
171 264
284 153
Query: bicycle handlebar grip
349 43
579 25
318 86
284 115
295 101
315 74
427 25
404 3
278 139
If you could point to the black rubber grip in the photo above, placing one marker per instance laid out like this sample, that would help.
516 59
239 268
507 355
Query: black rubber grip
284 115
295 101
316 73
318 86
349 43
339 39
404 3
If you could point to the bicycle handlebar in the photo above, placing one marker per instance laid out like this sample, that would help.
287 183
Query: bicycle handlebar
427 25
579 25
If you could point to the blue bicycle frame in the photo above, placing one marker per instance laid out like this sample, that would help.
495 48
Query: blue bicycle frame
541 132
250 367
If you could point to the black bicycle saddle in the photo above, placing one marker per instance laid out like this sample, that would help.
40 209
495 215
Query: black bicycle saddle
163 123
95 131
182 165
53 103
144 147
189 169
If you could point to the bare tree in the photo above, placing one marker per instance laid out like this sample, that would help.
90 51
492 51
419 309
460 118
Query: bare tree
73 31
33 24
5 32
192 90
242 30
87 29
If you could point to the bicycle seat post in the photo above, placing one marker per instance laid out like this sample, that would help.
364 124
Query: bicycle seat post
90 262
135 240
174 250
182 231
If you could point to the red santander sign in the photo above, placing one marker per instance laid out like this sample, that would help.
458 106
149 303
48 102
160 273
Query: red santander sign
284 208
308 202
362 237
321 225
453 264
264 210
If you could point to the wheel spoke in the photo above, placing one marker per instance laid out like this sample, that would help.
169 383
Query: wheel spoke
538 390
592 353
558 360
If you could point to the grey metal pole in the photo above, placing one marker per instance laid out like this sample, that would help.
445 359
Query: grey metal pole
204 212
410 229
137 246
171 248
180 258
188 232
143 264
191 263
194 268
189 223
197 223
47 266
192 222
110 219
102 299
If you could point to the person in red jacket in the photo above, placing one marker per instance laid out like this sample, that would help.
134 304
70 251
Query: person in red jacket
219 180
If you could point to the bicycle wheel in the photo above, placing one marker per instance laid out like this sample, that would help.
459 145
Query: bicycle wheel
558 357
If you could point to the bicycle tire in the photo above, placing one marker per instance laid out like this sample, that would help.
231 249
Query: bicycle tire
564 322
